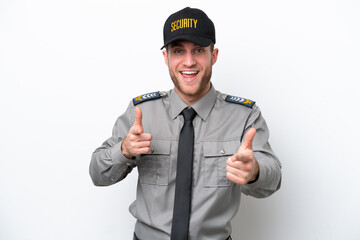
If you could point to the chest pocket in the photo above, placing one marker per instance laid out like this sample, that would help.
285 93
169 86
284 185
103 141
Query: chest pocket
154 167
215 157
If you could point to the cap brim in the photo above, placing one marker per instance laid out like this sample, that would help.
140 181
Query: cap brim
198 40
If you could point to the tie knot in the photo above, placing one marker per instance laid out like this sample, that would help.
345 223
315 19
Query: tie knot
189 114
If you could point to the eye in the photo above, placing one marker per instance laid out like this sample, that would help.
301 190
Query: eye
178 51
199 50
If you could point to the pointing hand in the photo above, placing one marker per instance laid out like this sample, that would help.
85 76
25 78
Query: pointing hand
136 142
242 167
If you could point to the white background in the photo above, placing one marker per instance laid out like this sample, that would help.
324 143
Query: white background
69 68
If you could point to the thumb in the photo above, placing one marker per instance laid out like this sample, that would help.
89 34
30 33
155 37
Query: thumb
138 121
249 137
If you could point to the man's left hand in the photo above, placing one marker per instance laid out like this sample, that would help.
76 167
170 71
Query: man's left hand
242 167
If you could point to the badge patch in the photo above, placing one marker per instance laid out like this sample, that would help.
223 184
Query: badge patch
146 97
239 100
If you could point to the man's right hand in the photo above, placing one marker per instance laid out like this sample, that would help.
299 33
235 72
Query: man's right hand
136 142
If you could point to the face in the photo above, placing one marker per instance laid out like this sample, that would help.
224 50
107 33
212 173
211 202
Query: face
190 68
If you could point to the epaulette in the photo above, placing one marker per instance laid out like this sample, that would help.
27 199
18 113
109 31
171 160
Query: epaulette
146 97
239 100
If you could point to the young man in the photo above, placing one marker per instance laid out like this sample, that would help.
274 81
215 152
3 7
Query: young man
196 149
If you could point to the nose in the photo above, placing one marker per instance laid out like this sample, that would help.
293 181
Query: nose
189 60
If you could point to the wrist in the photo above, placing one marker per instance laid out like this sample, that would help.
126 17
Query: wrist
124 151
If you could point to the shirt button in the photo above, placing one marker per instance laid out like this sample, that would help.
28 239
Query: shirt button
222 151
152 150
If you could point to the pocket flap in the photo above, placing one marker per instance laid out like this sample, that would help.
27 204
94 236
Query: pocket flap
160 147
224 148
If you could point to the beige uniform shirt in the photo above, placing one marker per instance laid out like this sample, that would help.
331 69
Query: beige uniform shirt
219 128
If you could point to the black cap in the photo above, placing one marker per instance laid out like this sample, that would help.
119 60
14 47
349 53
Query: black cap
189 24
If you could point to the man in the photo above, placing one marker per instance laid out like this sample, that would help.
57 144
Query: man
196 149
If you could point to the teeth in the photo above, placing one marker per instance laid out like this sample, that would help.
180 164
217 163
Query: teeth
189 72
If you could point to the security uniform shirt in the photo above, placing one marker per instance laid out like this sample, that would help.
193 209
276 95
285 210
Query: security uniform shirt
219 128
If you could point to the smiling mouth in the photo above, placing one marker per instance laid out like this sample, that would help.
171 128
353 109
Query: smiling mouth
189 76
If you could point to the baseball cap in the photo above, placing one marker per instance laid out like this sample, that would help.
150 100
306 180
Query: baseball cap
190 24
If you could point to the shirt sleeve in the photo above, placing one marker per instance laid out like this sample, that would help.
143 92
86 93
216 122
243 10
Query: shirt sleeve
269 180
108 164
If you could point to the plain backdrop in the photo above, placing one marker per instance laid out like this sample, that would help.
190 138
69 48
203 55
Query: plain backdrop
69 68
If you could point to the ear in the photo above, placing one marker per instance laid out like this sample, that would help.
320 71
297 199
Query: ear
214 55
164 52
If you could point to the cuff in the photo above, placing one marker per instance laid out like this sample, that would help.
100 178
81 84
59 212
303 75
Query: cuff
118 157
260 177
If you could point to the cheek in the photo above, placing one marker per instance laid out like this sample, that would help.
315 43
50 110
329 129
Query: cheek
205 62
172 64
206 65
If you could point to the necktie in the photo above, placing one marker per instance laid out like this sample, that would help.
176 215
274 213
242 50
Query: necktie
182 202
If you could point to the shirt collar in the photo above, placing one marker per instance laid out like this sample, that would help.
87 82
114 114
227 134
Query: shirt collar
176 104
202 107
205 104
